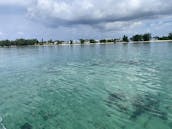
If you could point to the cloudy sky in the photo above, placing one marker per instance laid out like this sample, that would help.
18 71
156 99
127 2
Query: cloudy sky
75 19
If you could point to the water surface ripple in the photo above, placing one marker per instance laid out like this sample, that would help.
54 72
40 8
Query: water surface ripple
86 87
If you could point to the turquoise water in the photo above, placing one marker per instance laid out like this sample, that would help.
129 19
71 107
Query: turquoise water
118 86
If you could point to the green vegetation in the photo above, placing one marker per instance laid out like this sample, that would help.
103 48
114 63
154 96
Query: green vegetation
125 39
163 38
103 41
110 40
169 37
140 37
93 41
50 41
137 37
71 42
147 37
107 40
82 41
19 42
58 42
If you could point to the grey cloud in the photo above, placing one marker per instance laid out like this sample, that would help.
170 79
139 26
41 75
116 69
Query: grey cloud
66 19
10 10
95 12
16 2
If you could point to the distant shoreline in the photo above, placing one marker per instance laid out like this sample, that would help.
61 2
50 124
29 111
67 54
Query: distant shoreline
152 41
68 44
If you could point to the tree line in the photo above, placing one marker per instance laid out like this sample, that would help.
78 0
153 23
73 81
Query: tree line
140 37
18 42
169 37
137 37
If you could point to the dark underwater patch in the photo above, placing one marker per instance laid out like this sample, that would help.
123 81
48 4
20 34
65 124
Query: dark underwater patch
130 62
26 126
116 101
170 125
149 104
115 97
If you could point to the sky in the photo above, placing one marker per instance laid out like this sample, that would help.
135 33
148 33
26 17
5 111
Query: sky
76 19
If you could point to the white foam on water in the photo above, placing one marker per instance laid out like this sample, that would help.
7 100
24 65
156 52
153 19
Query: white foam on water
0 119
2 125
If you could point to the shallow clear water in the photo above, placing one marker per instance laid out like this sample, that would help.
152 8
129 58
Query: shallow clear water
118 86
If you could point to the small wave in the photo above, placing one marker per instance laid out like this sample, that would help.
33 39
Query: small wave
1 124
0 119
